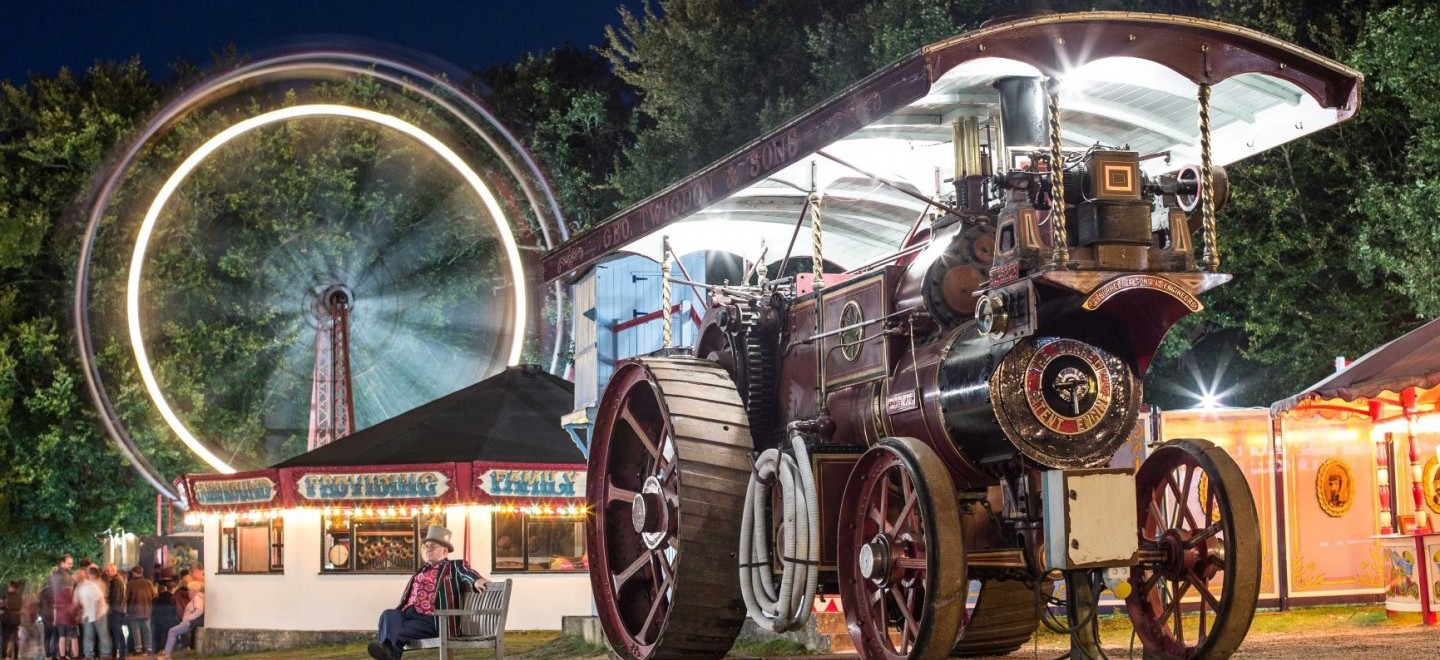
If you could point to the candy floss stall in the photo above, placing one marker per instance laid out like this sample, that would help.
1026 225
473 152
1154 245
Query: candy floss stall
1379 426
313 548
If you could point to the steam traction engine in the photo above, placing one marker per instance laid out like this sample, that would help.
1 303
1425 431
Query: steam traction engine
944 416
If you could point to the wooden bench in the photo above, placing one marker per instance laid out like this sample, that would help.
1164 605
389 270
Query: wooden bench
481 623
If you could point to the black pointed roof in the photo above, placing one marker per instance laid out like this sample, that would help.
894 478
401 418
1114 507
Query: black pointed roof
511 417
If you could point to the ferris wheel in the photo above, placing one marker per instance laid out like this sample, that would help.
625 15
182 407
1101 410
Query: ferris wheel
301 246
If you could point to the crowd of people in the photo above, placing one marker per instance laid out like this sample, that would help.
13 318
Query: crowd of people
89 611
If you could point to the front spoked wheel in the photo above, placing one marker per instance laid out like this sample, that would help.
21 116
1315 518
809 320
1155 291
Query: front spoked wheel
901 554
1193 594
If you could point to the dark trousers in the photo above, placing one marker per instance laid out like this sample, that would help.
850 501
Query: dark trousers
9 640
398 627
116 622
52 641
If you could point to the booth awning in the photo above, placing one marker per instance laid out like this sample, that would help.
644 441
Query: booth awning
1411 361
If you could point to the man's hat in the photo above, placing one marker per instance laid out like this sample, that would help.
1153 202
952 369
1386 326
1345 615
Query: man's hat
440 535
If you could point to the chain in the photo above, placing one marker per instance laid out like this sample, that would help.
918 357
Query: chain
1061 254
1210 249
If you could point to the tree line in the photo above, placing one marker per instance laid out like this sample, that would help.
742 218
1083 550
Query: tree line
1332 239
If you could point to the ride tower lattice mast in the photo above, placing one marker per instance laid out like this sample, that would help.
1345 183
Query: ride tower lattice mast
332 406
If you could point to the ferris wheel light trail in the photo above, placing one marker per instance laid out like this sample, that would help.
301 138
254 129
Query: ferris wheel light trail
137 258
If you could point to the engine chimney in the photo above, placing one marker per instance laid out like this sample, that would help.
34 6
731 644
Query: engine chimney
1024 115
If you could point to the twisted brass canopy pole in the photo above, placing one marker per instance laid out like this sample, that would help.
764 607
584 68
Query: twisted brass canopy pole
1060 256
1210 248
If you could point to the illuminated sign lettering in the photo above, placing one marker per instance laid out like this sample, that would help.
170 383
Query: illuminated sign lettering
534 483
254 490
373 486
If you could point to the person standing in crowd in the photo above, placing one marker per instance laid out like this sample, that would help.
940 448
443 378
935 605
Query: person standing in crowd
139 605
30 637
90 594
67 624
194 617
10 622
163 615
51 640
115 597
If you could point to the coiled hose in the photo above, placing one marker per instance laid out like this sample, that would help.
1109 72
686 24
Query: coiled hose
783 607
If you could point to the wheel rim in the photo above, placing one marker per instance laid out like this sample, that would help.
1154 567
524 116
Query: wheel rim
668 465
639 554
1194 592
902 572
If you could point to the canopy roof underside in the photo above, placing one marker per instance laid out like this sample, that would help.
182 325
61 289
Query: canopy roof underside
1121 86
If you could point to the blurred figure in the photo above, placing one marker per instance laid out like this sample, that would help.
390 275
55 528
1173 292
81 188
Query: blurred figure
163 616
115 598
194 617
90 595
54 583
51 643
67 623
139 606
10 622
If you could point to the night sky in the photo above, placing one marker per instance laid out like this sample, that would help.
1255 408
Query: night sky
41 36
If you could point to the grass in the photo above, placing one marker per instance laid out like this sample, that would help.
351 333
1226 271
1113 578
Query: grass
1114 631
537 644
767 649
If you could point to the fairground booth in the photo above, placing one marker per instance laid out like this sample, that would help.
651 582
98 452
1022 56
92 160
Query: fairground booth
1345 479
1363 446
313 548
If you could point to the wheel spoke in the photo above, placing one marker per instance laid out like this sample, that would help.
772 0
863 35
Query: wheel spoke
616 493
667 567
911 563
909 625
1150 582
620 579
910 499
1203 536
1202 588
884 503
654 609
877 517
1179 594
1186 513
642 433
1157 518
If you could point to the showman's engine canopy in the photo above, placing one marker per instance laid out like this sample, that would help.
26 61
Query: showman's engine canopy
1020 214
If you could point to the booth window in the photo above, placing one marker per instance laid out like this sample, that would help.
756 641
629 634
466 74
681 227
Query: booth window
524 543
358 544
253 547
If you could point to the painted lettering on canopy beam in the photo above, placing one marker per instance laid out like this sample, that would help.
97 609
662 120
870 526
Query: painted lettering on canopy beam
373 486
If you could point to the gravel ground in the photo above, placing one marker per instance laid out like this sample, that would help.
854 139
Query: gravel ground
1388 643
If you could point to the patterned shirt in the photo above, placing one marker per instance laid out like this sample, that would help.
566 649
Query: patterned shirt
422 593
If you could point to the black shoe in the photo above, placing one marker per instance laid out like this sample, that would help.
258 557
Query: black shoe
379 651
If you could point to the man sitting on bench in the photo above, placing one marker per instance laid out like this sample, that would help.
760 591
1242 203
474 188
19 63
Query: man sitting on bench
440 584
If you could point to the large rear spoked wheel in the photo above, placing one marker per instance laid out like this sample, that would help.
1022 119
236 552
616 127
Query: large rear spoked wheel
667 475
1193 594
901 554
